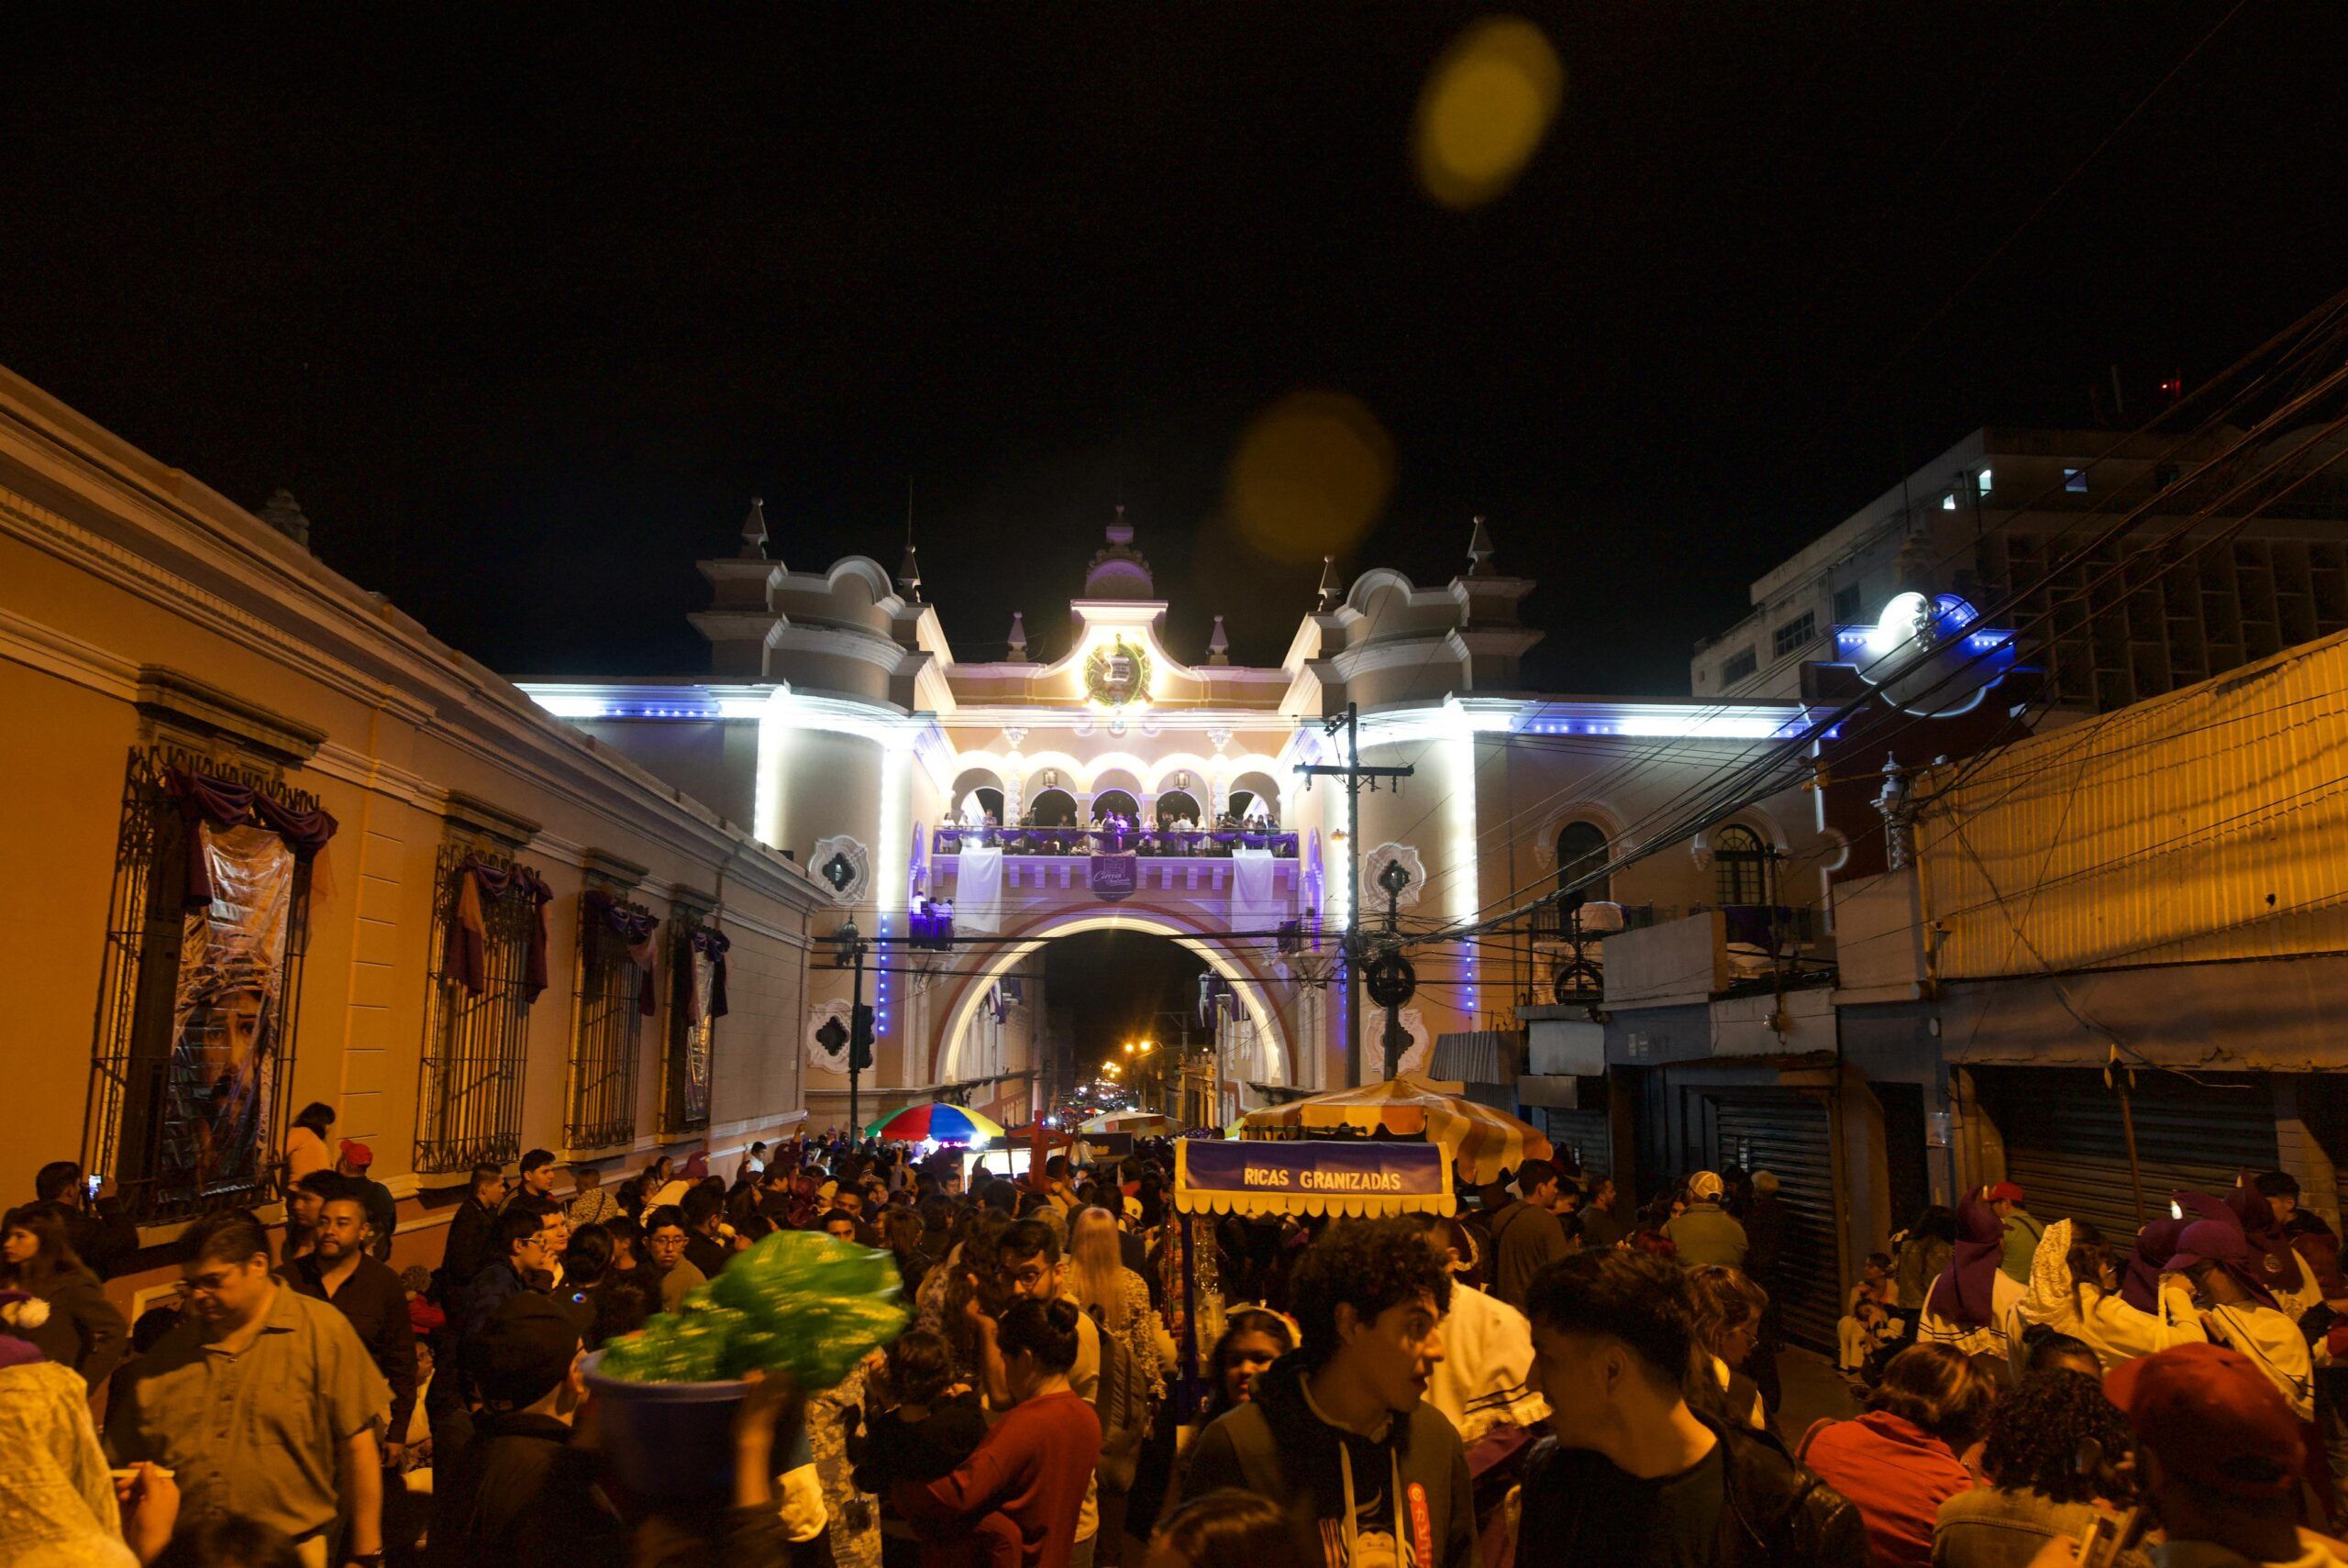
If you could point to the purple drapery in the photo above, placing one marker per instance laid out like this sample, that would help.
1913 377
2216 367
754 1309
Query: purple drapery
712 945
224 803
467 961
636 931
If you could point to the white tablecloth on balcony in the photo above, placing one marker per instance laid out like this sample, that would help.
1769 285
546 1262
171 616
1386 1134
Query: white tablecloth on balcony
978 889
1254 892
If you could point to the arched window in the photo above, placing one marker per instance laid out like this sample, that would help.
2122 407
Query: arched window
1115 803
1740 869
1052 808
1177 806
1581 849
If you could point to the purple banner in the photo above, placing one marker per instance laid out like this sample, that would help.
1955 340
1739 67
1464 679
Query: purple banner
1113 876
1309 1170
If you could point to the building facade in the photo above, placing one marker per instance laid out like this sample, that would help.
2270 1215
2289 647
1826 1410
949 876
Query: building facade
1999 510
1116 782
279 845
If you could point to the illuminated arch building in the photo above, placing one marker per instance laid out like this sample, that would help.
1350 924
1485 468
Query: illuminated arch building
839 720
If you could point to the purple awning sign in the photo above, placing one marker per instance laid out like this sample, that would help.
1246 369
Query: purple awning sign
1310 1177
1113 876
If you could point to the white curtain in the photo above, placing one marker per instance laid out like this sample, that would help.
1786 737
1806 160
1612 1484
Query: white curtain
977 890
1254 898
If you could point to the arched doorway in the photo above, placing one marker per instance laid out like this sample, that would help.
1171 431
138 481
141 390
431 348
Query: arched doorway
1252 792
1740 867
1115 803
1053 808
1277 1055
1177 806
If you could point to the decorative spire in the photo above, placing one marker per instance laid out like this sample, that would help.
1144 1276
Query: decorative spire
283 513
1018 638
1219 644
754 531
909 570
1480 550
1332 589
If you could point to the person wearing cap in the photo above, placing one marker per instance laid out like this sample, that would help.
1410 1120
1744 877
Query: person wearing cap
1705 1231
2219 1455
2021 1231
2240 1312
352 1161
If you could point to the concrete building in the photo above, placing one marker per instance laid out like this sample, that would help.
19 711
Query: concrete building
1999 509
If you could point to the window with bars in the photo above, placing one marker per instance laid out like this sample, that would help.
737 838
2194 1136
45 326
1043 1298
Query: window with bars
1739 665
469 1086
192 1056
1795 632
691 1038
1740 869
607 1028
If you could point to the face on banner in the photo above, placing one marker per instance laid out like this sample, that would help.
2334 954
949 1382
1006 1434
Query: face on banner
226 1012
697 1039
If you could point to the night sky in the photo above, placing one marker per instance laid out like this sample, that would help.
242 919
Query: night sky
523 307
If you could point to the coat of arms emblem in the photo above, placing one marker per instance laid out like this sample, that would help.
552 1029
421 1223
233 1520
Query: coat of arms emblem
1117 674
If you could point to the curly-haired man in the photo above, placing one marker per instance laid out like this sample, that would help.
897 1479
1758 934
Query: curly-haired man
1338 1433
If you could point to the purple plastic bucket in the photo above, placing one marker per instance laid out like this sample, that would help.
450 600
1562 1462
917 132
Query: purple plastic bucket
667 1440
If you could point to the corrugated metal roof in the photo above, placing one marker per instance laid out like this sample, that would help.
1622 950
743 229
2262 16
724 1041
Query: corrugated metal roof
1482 1056
2208 823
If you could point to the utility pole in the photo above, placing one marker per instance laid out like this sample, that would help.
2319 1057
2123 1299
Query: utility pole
1356 776
850 945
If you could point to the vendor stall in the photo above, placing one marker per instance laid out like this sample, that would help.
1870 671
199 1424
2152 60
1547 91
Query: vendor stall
1357 1178
1483 1143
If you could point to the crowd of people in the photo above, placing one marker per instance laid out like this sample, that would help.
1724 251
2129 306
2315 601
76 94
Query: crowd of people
1546 1375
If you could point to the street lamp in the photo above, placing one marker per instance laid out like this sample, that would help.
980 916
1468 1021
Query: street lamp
850 945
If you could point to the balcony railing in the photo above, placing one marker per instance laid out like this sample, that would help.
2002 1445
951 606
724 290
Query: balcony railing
1203 843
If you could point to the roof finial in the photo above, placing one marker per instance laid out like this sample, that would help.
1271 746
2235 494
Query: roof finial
1480 550
754 531
1018 638
1219 644
1331 589
909 570
283 513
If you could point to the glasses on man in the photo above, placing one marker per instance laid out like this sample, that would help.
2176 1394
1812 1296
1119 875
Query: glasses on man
1023 1276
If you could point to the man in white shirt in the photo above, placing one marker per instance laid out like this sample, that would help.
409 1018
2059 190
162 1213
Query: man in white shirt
1484 1380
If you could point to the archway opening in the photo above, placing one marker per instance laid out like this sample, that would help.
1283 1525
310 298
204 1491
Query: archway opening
1253 794
1177 806
1052 808
1115 803
1150 975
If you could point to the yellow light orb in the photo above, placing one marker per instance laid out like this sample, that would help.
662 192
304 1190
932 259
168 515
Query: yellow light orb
1310 475
1486 106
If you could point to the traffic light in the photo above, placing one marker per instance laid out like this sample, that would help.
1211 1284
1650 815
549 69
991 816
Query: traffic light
859 1057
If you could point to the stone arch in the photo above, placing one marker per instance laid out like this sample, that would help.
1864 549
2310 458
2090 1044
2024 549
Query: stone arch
973 780
1251 989
1258 783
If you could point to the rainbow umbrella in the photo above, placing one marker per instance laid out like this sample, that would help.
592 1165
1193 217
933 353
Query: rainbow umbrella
939 1123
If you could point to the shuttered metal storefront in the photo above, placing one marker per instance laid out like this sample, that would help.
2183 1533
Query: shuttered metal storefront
1790 1136
2067 1149
1583 1136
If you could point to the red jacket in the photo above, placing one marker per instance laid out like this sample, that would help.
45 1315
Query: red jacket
1896 1474
1034 1467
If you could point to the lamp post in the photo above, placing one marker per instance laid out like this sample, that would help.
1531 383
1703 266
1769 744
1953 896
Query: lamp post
850 945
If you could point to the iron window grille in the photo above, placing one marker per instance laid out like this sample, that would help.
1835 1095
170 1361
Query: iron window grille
469 1085
145 1099
606 1029
690 1058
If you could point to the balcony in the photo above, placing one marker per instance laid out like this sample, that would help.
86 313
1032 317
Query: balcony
1708 953
1191 891
1208 844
